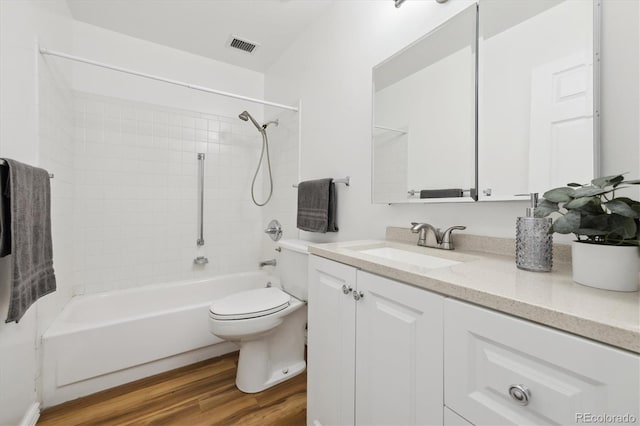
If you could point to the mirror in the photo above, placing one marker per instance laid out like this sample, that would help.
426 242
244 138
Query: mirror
424 117
536 96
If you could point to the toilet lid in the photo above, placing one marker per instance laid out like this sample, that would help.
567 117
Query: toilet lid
250 304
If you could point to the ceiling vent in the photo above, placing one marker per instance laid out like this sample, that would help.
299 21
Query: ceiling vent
240 44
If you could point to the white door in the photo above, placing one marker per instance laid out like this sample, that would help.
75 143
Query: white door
398 354
331 343
561 132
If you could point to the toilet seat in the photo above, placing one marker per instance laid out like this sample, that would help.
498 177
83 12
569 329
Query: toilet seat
250 304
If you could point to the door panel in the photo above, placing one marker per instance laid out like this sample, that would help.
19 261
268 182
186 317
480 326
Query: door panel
399 353
331 344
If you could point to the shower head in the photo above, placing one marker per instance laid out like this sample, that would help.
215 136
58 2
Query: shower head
245 116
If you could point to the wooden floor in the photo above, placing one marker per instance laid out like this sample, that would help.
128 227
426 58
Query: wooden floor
199 394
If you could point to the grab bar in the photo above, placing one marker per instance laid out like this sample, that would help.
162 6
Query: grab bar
200 241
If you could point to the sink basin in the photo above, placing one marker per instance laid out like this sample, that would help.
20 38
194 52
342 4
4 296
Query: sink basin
412 258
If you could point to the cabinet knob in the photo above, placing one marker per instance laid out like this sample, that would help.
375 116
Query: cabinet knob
346 290
520 394
357 295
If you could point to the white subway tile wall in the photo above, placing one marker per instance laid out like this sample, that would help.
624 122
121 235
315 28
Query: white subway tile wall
55 133
135 213
283 147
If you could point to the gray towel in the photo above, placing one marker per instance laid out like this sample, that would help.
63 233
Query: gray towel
441 193
28 192
317 206
5 212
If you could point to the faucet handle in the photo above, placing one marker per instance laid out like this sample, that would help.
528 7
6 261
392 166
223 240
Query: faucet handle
447 242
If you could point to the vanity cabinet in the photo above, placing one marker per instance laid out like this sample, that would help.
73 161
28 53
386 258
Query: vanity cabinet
503 370
375 358
398 354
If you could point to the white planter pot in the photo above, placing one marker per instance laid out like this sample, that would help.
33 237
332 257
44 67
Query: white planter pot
614 268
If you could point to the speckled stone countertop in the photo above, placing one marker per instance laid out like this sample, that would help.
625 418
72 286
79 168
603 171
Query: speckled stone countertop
493 281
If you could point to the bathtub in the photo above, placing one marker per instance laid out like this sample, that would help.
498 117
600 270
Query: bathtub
107 339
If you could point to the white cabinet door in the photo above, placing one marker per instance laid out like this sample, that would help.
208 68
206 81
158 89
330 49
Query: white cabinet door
398 353
568 379
331 343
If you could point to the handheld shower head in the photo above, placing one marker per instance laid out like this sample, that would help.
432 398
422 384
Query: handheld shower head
245 116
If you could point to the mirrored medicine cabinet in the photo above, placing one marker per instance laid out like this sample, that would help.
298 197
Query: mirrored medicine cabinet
499 100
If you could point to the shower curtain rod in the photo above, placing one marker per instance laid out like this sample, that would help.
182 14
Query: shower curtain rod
44 51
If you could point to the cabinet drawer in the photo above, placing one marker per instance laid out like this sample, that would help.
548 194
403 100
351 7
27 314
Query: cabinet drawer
453 419
562 378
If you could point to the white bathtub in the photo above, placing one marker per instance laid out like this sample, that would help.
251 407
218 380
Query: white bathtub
103 340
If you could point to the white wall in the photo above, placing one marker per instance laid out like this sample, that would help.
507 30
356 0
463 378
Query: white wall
128 52
334 80
31 132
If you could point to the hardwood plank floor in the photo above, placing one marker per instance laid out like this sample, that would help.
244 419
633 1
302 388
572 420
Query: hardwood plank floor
198 394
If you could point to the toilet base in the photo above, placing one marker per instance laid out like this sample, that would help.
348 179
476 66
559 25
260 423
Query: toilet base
279 376
274 358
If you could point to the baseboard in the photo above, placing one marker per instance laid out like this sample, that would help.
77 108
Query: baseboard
32 415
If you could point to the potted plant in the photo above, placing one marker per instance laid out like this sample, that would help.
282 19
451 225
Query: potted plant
606 252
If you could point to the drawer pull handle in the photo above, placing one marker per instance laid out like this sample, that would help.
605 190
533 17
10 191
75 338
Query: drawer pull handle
520 394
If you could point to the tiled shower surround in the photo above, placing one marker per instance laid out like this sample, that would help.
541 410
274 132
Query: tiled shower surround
135 194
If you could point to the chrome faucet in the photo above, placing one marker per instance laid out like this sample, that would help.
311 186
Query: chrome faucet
443 239
270 262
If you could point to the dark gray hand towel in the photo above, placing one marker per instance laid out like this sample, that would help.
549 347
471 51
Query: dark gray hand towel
29 194
441 193
317 206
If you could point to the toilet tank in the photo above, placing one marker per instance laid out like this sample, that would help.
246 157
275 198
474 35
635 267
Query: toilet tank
292 266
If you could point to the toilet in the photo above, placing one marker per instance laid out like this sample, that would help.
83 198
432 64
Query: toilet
268 323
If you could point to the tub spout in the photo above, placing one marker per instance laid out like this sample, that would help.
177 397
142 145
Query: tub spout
270 262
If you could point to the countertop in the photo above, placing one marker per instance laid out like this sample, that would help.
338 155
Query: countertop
493 281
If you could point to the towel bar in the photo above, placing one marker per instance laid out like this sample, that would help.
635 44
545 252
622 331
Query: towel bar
345 180
2 162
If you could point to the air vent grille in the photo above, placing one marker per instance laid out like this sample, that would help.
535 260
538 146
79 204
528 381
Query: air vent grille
242 45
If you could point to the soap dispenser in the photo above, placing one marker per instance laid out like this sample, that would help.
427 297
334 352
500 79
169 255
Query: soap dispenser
534 243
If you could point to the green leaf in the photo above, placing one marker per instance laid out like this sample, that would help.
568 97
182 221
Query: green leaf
573 184
567 224
577 203
589 191
545 208
627 200
621 208
599 222
632 182
559 195
623 226
601 182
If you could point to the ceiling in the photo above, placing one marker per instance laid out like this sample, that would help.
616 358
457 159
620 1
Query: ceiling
204 27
